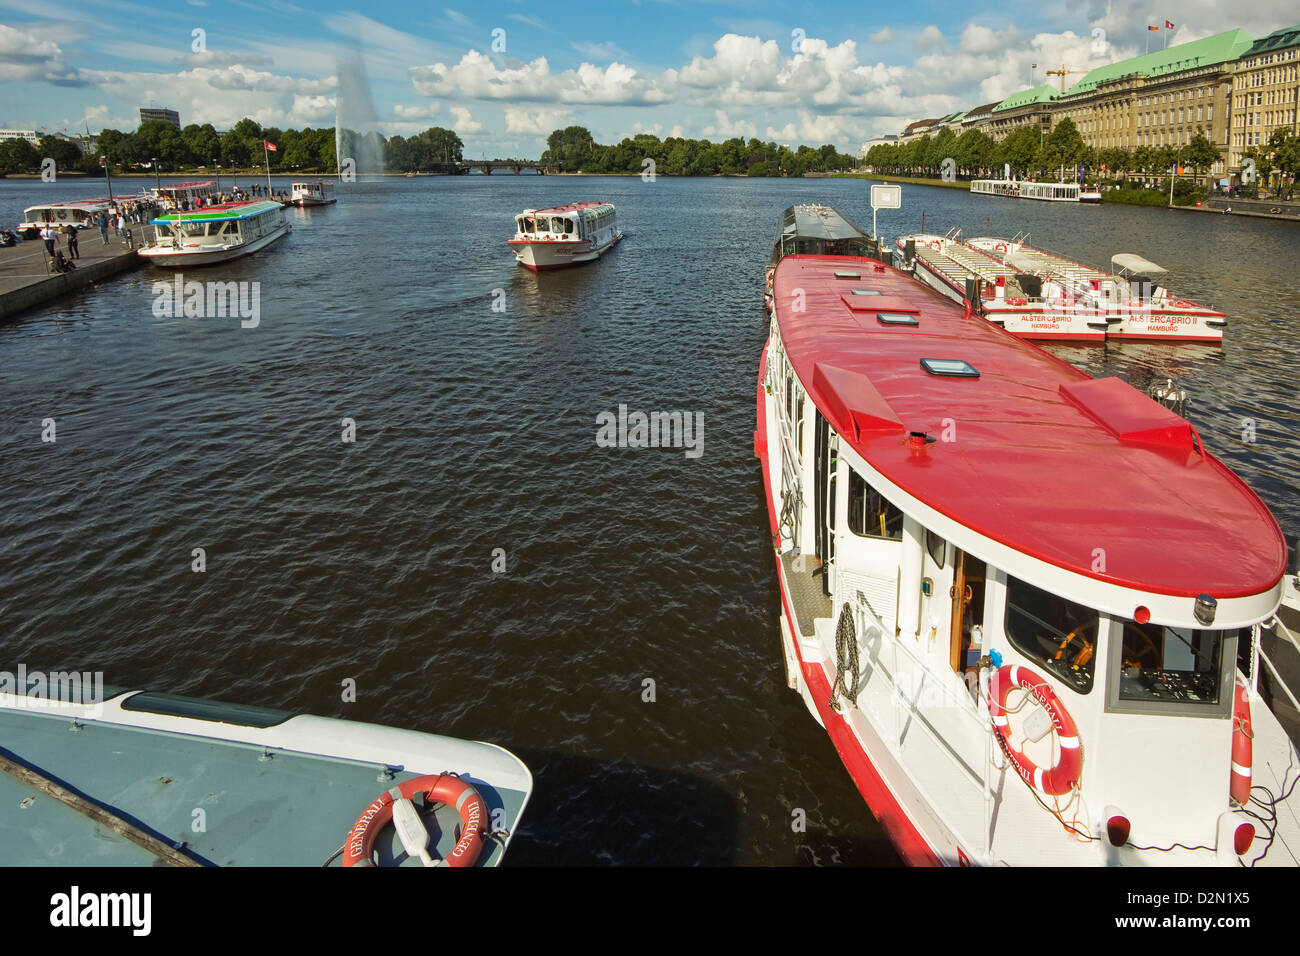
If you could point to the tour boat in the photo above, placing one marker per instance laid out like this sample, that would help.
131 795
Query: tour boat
319 193
100 777
79 212
1016 597
216 233
564 235
1022 189
1038 295
180 193
816 228
1134 296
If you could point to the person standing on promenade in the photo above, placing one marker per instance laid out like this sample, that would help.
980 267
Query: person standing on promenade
73 251
102 222
121 226
48 234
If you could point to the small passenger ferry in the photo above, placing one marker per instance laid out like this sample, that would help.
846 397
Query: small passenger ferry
115 777
1025 604
1037 295
1020 189
215 233
79 212
564 235
319 193
176 196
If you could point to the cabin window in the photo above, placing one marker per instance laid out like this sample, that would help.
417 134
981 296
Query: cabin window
937 547
1058 634
870 515
1172 670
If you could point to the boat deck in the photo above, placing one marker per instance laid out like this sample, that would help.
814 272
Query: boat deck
1040 262
955 262
806 592
229 801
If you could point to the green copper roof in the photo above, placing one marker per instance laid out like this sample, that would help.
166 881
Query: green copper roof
1277 40
1219 48
1039 94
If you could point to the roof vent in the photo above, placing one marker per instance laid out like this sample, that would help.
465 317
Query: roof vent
950 368
897 318
848 275
865 292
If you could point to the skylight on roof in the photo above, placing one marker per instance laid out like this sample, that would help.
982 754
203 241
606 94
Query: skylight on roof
898 318
865 292
848 275
950 368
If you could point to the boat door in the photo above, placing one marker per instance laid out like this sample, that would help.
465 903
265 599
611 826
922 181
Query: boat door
966 628
824 499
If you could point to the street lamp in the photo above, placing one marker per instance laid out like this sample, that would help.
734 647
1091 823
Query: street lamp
108 176
156 181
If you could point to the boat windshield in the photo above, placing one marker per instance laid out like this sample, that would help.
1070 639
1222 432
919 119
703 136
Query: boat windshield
1058 634
1172 669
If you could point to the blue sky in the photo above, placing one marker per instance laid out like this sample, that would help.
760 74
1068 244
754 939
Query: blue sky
710 70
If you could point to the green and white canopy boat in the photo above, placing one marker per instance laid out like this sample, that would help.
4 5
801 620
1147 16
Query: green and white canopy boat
123 778
215 233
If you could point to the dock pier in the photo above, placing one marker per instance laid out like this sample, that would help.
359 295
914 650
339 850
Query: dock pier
27 281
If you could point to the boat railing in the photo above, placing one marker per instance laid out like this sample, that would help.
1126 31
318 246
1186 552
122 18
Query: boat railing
953 700
1257 654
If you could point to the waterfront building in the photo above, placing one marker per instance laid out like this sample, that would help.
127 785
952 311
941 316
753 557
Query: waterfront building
1027 108
27 134
918 129
979 117
1159 99
1264 92
889 139
167 116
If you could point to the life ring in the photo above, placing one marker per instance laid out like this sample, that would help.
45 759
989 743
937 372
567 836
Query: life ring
440 788
1053 781
1242 735
1000 247
1016 300
936 245
1182 304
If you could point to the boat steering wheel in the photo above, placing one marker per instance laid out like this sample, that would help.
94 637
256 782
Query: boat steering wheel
1076 634
1150 652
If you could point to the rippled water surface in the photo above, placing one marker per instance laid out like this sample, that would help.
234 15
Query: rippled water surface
476 431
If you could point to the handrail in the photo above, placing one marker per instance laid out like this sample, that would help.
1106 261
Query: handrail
1278 677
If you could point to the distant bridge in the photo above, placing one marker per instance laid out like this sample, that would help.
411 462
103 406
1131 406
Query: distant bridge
488 166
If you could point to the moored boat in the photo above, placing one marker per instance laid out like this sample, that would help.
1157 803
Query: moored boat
1015 597
186 195
319 193
1024 189
565 235
78 212
215 233
143 777
815 228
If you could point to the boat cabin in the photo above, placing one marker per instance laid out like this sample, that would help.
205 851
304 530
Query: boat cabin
180 193
1147 281
812 228
317 193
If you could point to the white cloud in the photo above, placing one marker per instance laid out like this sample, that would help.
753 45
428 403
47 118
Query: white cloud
928 39
726 129
478 77
540 122
465 124
884 35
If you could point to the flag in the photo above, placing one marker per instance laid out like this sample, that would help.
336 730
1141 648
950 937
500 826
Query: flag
1033 66
1168 25
270 146
1153 28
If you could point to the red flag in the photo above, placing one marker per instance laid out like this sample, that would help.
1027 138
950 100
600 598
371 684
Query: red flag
270 146
1168 25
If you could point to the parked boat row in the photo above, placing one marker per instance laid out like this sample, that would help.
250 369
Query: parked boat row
1039 295
1016 597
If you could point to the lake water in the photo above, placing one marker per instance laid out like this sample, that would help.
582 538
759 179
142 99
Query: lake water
476 431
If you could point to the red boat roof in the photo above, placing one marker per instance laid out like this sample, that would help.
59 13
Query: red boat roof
1045 459
571 207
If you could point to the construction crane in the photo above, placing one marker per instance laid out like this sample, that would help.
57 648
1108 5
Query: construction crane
1062 73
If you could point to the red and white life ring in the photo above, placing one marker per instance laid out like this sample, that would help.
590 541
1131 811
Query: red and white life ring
1242 735
1053 781
1000 247
1182 304
936 245
440 788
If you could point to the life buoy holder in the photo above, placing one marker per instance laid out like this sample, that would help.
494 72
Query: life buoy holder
936 245
1064 776
1000 247
440 788
1242 735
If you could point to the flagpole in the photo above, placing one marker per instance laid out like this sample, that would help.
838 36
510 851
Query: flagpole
267 156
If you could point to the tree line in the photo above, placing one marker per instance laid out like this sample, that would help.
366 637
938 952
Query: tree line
1033 155
574 150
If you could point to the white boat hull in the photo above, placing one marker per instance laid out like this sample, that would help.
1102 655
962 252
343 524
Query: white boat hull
542 255
172 258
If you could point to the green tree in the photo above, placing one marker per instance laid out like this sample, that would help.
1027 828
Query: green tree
65 153
1200 153
18 156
